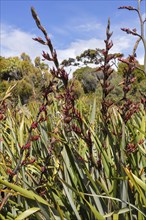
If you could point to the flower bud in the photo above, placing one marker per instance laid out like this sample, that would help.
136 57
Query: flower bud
35 138
34 125
67 119
26 146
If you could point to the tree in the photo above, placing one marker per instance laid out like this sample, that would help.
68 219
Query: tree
37 61
77 88
10 68
30 79
87 76
23 90
79 73
43 66
25 57
89 83
90 56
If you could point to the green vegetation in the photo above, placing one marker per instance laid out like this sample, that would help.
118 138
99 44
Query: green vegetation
64 176
72 149
28 77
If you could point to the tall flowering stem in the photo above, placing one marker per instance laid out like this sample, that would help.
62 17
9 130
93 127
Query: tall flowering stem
72 119
106 68
141 35
42 112
57 72
129 107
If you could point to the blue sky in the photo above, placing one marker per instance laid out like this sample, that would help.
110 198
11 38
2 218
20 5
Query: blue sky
73 26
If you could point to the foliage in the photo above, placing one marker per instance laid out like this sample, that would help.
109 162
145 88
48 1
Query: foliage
77 88
79 73
10 69
30 79
25 57
88 77
23 90
62 158
89 83
87 57
3 87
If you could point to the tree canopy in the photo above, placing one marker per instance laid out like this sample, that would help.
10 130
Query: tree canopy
29 77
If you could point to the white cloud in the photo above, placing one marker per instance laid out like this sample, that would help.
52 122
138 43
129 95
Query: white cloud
121 43
15 41
78 46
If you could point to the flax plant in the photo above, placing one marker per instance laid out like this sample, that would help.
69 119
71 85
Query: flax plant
58 164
